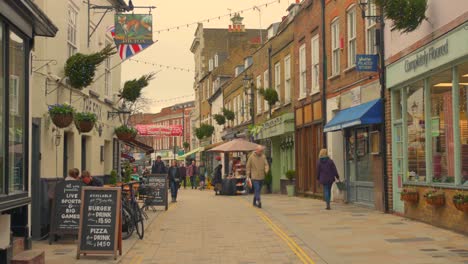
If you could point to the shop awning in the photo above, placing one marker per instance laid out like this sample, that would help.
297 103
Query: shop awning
364 114
213 145
126 156
137 144
236 145
190 153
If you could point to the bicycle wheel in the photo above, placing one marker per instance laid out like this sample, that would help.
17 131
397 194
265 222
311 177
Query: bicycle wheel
138 220
128 226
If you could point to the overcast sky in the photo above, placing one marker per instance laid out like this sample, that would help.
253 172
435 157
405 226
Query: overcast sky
173 48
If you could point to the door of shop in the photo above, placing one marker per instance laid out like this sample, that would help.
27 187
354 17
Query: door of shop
359 167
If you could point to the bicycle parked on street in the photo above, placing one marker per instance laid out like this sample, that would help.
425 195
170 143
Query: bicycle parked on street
132 215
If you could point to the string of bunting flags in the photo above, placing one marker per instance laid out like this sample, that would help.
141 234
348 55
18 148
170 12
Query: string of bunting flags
162 66
173 99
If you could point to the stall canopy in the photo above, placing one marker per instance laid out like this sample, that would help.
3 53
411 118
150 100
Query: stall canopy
183 157
137 144
365 114
236 145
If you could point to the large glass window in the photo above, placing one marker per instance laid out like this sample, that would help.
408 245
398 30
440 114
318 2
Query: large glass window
315 64
2 111
416 132
463 77
16 112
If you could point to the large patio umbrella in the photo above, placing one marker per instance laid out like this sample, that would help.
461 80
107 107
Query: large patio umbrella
236 145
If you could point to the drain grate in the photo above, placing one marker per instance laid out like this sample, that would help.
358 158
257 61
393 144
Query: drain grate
412 239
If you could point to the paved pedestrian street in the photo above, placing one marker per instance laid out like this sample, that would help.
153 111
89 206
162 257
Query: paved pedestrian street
204 228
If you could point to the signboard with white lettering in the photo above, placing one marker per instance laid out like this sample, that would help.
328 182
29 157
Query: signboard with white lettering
367 63
66 209
159 194
99 231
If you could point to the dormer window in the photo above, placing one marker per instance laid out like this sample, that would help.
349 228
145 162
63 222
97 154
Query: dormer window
239 70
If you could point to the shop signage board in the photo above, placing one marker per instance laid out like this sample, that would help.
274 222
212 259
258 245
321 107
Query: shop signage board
133 29
277 126
160 184
159 130
367 63
65 216
100 228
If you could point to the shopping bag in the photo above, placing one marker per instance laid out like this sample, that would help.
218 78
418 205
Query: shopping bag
337 194
249 183
341 185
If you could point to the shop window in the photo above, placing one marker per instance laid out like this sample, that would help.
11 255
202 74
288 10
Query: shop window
16 113
259 96
397 105
351 20
278 81
302 71
371 28
416 133
463 78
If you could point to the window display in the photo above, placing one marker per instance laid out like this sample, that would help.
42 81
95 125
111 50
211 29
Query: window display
416 133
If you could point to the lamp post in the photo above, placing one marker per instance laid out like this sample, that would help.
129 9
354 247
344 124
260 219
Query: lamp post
248 87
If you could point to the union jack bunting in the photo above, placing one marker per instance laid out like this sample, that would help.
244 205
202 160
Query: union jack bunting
127 50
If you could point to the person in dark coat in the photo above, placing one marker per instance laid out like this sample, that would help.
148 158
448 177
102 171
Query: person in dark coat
158 166
90 181
174 180
218 179
326 175
183 174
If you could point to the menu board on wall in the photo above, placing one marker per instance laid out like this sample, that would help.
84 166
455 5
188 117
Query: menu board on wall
66 209
99 231
159 186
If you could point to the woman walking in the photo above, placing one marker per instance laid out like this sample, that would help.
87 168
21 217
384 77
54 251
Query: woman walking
326 175
218 179
174 180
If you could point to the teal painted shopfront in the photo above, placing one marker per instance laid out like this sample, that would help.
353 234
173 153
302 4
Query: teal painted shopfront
280 132
429 104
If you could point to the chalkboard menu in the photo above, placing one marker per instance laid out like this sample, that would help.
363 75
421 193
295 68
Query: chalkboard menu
159 185
66 209
100 224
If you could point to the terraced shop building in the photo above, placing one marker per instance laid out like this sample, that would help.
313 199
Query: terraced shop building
21 23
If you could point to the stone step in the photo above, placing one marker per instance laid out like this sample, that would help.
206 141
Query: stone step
18 245
29 257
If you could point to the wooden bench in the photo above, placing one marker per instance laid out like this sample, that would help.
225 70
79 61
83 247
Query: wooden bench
29 257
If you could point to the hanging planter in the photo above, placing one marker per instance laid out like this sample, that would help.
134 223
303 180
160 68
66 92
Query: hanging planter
81 68
228 114
435 197
409 195
125 132
61 115
204 131
84 122
460 201
220 119
132 88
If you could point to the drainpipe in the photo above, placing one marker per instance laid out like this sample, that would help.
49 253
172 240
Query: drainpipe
324 74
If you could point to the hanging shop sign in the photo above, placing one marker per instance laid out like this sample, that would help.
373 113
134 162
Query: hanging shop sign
367 63
133 29
158 130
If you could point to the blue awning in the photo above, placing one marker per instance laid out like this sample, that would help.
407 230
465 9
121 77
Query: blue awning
364 114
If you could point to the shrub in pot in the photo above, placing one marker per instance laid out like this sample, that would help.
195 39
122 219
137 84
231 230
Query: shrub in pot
435 197
84 122
460 201
290 174
61 115
125 132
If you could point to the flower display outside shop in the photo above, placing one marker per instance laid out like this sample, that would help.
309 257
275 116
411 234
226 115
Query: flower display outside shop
84 122
435 197
61 114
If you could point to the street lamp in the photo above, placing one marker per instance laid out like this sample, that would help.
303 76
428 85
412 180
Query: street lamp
122 112
248 87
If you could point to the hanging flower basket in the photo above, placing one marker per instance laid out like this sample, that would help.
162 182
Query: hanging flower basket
409 195
125 133
61 115
460 201
435 198
84 122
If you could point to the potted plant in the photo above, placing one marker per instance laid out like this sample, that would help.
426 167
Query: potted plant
125 132
435 197
113 177
186 145
409 195
84 122
228 114
204 131
271 96
220 119
460 201
61 115
290 174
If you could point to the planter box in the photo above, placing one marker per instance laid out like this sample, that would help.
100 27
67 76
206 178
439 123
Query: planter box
284 183
409 197
291 190
436 200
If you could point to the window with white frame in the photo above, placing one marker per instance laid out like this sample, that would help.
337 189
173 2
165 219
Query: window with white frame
216 60
266 84
72 30
302 71
287 79
278 81
107 74
335 45
371 26
315 64
210 65
351 17
259 96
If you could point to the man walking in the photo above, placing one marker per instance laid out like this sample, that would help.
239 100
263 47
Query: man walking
183 173
257 167
192 173
158 166
174 180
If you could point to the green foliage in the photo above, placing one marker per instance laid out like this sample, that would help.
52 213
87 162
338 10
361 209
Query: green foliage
460 198
85 117
132 88
123 129
127 172
81 68
268 178
229 114
61 109
431 194
220 119
186 145
291 174
406 15
203 131
270 95
113 177
254 130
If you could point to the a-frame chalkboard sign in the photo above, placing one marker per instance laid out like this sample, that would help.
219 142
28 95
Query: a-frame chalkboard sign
100 224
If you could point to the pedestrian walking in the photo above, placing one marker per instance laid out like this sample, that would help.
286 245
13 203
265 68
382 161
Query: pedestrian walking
192 173
257 167
183 174
89 180
202 175
174 180
326 175
73 175
158 166
218 179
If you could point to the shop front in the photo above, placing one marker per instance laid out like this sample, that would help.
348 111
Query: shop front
20 23
429 102
280 131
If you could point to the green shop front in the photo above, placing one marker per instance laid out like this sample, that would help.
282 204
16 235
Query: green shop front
429 102
278 133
